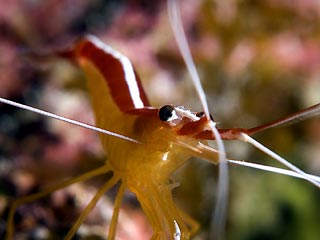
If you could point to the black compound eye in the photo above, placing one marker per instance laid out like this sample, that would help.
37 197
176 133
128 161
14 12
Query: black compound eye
166 112
200 114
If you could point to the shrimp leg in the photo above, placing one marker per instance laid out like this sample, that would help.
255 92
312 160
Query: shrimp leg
191 223
33 197
116 209
90 206
164 216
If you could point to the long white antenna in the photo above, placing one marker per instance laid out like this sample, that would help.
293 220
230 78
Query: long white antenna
175 20
274 170
246 138
217 230
80 124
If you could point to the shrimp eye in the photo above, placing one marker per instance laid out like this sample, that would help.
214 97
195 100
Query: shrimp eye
166 112
201 114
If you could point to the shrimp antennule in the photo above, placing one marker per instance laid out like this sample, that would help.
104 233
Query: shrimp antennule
218 226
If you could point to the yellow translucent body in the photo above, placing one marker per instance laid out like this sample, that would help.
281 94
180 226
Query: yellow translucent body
144 168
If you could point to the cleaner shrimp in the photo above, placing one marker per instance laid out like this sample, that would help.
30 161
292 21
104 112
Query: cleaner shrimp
168 135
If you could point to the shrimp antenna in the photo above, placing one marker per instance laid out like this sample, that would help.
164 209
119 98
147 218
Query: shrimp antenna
175 20
221 203
274 170
244 137
74 122
288 120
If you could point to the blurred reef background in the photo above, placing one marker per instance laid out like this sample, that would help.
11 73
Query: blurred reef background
258 61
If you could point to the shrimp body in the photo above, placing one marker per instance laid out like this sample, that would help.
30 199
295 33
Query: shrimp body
155 142
121 106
